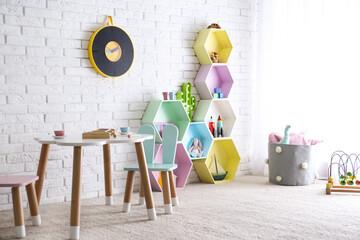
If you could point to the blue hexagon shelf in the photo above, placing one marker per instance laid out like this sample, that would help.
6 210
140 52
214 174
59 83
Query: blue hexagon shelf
201 131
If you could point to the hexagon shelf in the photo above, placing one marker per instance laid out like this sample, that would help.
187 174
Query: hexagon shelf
215 108
212 40
159 112
213 76
182 159
201 131
226 155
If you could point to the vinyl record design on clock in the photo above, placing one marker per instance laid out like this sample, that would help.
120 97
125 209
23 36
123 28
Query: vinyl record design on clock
111 51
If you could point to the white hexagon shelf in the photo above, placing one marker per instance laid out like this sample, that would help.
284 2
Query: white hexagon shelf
215 108
213 76
212 40
159 113
201 131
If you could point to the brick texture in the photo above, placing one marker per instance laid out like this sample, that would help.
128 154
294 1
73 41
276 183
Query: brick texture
47 82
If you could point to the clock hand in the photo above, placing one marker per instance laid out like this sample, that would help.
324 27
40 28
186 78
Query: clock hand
115 49
108 51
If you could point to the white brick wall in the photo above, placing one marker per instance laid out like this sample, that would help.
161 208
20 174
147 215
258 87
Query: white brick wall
46 80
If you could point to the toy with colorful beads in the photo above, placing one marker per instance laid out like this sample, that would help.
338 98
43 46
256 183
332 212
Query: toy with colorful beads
347 167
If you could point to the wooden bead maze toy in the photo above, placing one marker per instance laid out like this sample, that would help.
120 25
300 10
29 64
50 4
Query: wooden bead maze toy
347 168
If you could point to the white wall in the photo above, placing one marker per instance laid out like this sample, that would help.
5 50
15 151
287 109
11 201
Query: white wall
47 82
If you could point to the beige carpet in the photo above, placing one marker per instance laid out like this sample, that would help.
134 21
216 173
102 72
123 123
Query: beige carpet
248 208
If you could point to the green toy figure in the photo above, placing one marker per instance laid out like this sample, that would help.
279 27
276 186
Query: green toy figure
286 139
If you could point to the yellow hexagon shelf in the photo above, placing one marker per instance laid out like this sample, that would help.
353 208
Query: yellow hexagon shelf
226 156
212 40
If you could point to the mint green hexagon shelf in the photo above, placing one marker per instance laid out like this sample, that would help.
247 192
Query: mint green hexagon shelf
166 112
201 131
214 108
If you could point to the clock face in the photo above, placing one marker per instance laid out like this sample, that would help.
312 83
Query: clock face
111 51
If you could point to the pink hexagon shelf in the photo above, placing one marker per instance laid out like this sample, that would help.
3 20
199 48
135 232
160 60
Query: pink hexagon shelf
182 159
213 76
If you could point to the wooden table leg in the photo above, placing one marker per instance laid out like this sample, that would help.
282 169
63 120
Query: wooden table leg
45 148
144 174
33 204
141 193
75 195
18 213
107 174
174 198
166 192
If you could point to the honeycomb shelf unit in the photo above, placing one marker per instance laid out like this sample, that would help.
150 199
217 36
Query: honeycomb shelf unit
212 40
226 155
213 76
182 159
215 108
160 111
201 131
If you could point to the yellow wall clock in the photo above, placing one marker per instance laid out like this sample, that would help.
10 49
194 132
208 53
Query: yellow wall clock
111 51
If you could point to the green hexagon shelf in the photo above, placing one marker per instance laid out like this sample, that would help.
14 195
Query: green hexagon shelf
212 40
201 131
226 155
215 108
160 112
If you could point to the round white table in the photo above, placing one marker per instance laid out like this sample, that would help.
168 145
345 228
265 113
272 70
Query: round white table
77 142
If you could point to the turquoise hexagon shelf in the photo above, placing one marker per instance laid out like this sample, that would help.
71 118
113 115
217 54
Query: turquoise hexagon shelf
226 155
160 112
201 131
182 159
215 108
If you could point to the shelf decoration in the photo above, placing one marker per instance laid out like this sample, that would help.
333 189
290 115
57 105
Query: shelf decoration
212 40
226 156
160 113
182 172
186 98
111 51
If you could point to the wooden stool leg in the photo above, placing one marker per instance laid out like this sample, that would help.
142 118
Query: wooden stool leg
107 174
141 194
128 191
166 192
144 174
174 198
45 148
33 204
75 195
18 213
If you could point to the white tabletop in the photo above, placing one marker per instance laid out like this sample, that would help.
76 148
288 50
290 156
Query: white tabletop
77 140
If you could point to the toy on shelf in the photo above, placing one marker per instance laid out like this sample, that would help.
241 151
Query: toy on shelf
286 139
212 126
214 56
347 169
195 149
214 25
219 127
188 101
217 171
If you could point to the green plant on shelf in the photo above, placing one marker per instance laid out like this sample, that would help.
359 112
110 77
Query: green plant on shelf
188 101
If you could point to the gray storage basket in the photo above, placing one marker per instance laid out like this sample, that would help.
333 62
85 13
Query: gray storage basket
291 165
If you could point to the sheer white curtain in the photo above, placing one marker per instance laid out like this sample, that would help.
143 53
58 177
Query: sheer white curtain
308 74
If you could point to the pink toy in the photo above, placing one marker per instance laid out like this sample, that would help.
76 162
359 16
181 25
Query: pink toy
295 139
